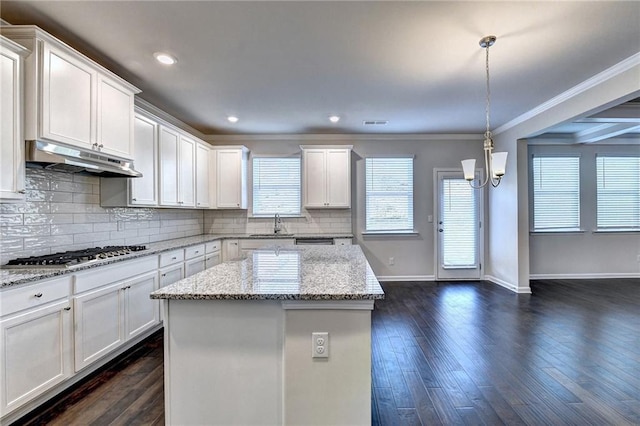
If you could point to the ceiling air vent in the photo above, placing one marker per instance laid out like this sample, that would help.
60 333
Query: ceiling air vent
375 122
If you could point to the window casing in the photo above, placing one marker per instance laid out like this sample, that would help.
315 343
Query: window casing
556 193
618 192
389 194
276 186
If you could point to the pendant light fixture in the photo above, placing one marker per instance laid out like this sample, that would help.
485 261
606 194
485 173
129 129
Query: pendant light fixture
495 162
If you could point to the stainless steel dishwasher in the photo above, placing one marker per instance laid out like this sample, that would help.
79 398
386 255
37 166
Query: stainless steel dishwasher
314 241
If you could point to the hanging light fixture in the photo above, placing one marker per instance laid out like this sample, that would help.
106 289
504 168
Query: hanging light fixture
495 162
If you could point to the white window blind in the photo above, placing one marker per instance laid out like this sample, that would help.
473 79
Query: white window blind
556 193
459 224
276 186
618 192
389 194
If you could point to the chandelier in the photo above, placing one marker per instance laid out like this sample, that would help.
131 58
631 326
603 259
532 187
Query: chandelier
495 162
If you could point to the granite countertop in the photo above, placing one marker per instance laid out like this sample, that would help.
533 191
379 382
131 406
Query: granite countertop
12 277
296 273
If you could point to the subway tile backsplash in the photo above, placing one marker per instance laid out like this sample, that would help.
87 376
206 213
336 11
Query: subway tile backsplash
62 212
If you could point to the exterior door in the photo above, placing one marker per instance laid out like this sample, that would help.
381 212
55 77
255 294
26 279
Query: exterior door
458 226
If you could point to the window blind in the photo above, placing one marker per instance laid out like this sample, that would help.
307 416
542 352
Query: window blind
389 194
459 217
556 193
276 186
618 192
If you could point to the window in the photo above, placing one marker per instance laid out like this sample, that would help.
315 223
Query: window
618 192
389 194
276 186
556 193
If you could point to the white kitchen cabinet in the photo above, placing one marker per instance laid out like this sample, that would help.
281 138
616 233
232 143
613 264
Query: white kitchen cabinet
230 250
144 190
112 305
36 332
342 241
171 274
213 254
202 175
36 353
71 99
326 179
194 260
177 168
231 177
12 186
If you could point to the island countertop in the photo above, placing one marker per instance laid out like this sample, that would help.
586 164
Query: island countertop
295 273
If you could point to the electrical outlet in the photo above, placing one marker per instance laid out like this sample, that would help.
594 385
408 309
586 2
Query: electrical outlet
320 345
392 261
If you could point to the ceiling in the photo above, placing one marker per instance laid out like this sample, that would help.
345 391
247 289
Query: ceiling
285 67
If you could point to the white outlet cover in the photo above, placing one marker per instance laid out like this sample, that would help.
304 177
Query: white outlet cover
320 345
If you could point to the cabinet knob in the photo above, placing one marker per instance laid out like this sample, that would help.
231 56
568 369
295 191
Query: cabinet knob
38 295
68 308
173 258
134 199
95 145
100 146
197 251
164 275
22 191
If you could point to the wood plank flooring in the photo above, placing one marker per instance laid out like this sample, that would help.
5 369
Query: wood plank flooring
448 353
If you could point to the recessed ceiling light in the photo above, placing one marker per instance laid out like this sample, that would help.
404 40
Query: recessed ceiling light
165 58
334 118
232 119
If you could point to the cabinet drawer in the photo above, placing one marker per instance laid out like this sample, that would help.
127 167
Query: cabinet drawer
171 257
120 271
195 251
212 246
37 294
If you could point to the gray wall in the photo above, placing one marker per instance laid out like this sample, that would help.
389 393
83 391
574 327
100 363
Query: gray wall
414 255
588 253
62 212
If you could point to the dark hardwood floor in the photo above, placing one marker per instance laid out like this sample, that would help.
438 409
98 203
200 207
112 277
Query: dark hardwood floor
449 353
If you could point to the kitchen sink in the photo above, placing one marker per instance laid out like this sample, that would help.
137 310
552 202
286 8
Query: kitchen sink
271 235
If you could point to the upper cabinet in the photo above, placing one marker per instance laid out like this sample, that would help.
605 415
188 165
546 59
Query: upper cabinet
231 177
326 178
11 141
71 99
203 176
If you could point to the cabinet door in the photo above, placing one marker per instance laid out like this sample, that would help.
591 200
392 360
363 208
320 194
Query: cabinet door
142 313
144 190
212 260
187 170
230 250
99 321
171 274
115 119
11 143
202 176
338 178
229 178
169 143
315 183
193 266
36 353
68 99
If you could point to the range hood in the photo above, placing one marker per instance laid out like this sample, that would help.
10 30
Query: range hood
53 156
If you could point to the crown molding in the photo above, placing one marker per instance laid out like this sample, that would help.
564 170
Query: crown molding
159 113
609 73
343 137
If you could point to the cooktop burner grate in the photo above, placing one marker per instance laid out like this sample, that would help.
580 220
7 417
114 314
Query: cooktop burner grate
73 258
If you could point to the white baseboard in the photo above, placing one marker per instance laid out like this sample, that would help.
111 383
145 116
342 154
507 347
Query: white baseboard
507 285
406 278
584 276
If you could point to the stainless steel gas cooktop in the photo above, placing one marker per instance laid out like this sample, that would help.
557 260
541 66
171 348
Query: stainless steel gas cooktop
71 259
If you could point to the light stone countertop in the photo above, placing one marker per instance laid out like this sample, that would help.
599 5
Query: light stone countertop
13 277
296 273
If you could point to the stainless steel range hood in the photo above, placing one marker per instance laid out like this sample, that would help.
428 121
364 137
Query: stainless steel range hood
53 156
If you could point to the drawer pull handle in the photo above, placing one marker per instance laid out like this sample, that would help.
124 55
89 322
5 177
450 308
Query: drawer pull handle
68 308
197 251
173 258
38 295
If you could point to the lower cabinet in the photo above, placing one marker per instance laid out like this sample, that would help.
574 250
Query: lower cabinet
37 353
108 316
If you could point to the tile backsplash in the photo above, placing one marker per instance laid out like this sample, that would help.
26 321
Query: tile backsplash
62 212
311 221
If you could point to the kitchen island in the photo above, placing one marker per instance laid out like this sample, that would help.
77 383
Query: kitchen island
239 347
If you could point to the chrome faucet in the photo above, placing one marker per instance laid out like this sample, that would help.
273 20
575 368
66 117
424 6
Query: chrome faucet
277 225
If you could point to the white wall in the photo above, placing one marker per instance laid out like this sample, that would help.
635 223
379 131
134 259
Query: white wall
508 242
414 255
586 254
